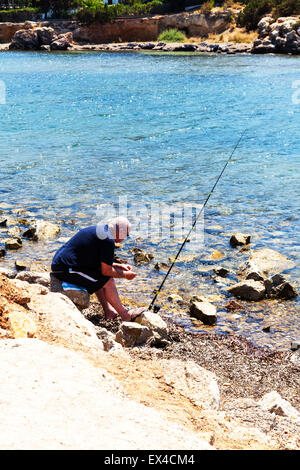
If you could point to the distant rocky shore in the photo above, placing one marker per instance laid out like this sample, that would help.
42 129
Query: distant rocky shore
274 36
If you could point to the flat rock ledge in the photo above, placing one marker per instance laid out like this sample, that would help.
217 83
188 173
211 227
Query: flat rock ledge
53 360
48 391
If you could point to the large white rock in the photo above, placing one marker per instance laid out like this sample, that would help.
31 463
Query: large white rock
52 398
193 381
274 403
59 319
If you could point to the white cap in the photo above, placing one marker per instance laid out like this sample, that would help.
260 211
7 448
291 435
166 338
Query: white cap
119 227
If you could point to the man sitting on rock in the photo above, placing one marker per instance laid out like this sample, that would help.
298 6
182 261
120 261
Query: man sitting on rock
87 260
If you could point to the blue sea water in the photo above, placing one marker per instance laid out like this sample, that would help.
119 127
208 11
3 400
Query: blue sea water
82 129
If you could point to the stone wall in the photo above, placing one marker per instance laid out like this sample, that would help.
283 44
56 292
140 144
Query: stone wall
148 29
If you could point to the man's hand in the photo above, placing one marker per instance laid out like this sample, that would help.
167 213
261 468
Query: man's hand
129 275
118 271
123 267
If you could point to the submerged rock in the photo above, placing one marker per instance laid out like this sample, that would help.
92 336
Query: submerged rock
42 230
141 257
285 291
14 232
233 305
3 221
266 261
221 272
204 311
2 252
13 244
248 290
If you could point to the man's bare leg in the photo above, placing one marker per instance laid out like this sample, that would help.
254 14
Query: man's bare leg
112 297
109 312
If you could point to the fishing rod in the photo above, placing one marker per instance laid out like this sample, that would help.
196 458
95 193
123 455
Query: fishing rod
195 221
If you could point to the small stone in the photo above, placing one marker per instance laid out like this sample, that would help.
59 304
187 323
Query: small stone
161 266
3 222
239 239
278 279
13 244
30 233
42 230
175 298
266 328
2 252
222 272
21 265
295 345
131 334
285 291
34 278
204 311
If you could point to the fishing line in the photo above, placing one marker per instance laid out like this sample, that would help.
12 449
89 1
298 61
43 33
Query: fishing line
195 221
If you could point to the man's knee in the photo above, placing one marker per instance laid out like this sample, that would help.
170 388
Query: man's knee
109 283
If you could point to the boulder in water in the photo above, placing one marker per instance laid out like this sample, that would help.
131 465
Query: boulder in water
239 239
204 311
248 290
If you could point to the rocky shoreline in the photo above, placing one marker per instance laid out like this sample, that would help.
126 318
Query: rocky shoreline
220 390
280 36
188 391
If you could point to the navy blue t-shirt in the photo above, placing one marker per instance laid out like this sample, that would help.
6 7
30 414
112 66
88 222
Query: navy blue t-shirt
85 250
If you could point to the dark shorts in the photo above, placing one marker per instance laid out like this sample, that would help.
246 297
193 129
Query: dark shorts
90 280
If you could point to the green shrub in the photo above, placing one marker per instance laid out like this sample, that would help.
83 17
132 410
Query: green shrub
172 35
257 9
19 15
286 8
253 12
95 10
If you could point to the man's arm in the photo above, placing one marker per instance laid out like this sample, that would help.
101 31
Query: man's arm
116 272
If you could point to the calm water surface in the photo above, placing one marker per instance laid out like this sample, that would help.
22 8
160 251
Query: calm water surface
80 130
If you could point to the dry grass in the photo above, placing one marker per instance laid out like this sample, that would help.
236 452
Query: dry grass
235 35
